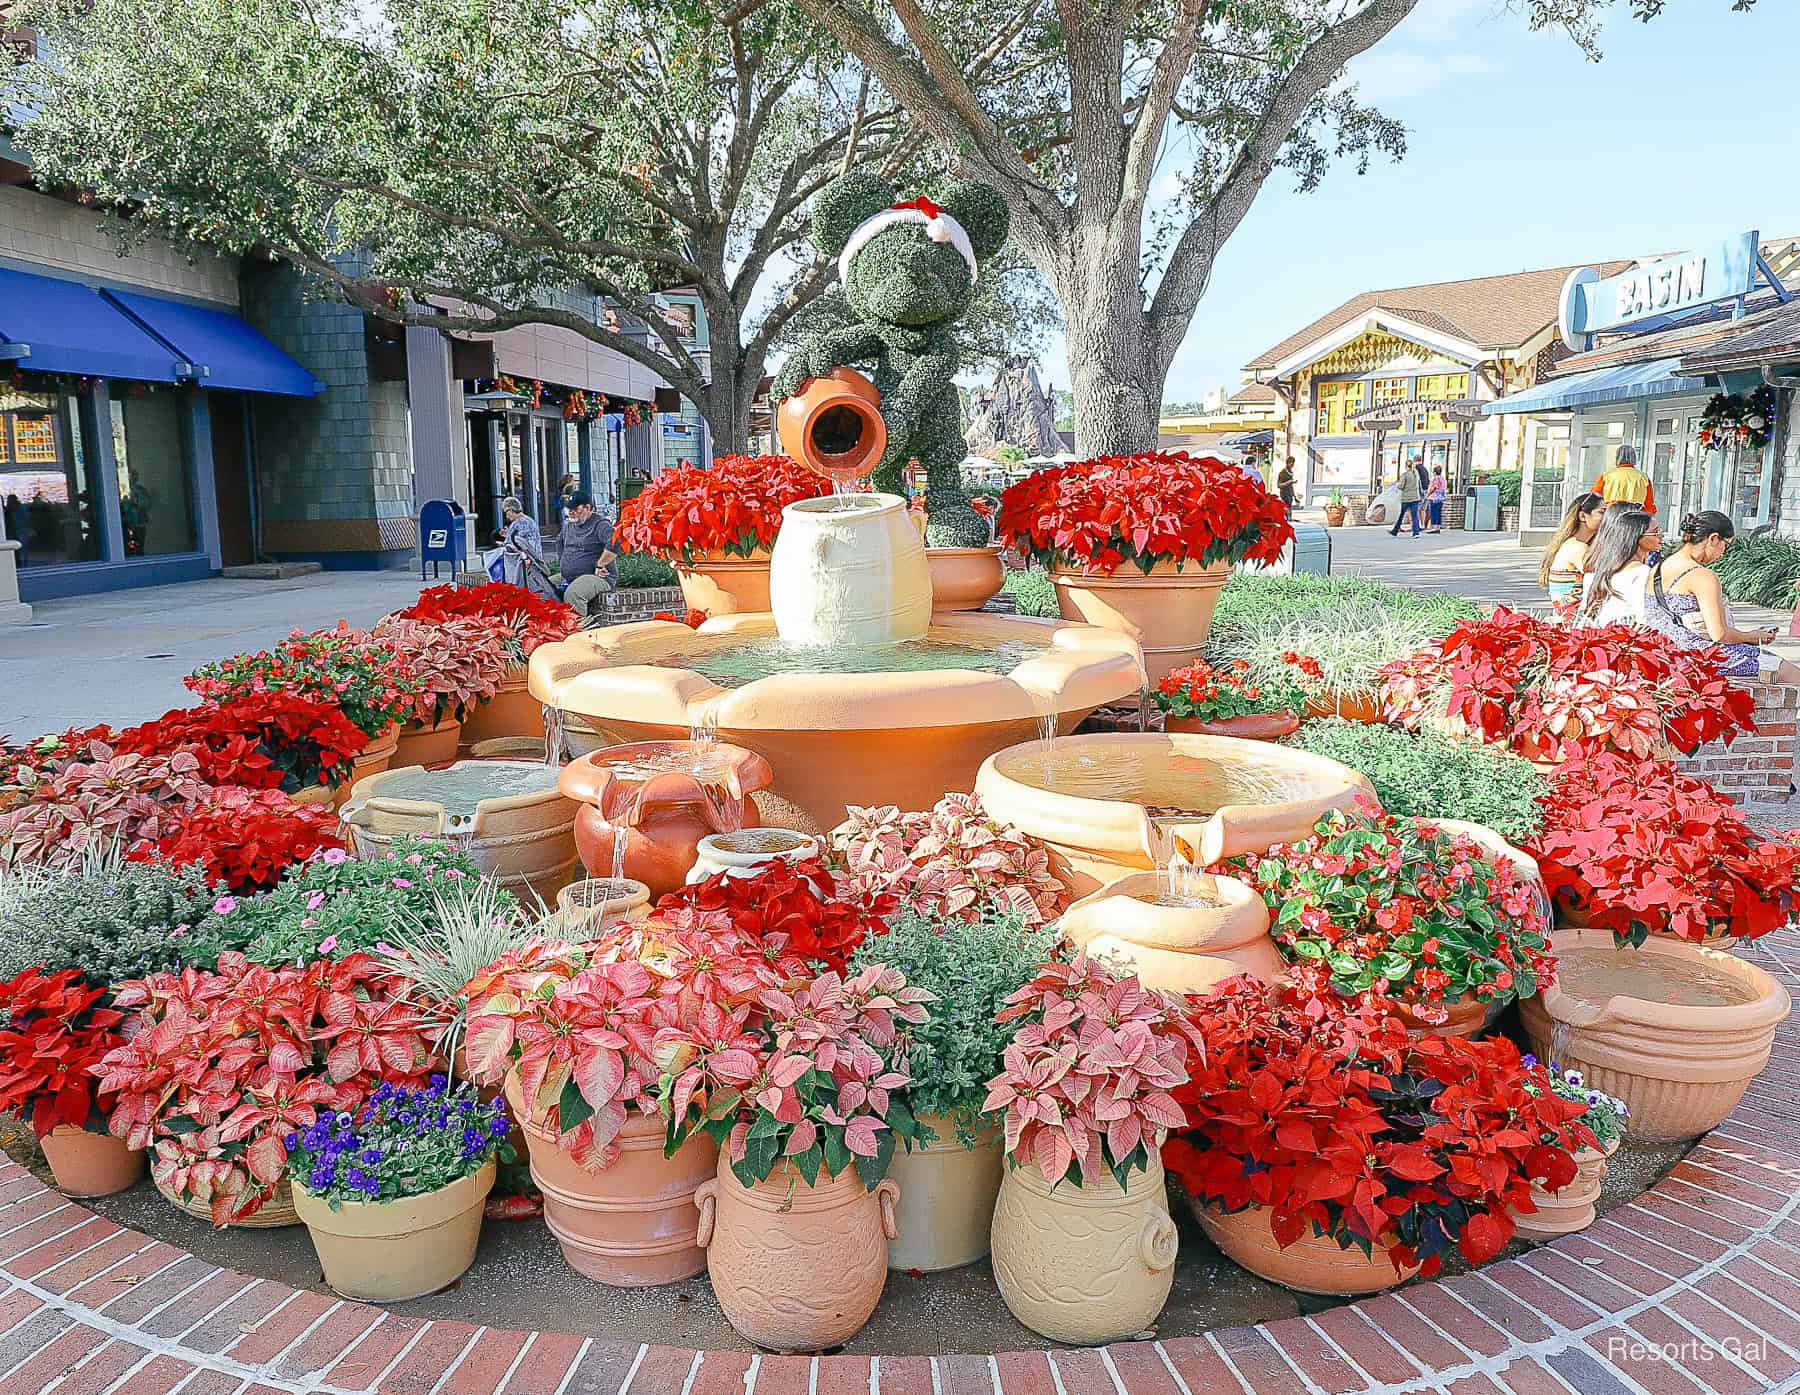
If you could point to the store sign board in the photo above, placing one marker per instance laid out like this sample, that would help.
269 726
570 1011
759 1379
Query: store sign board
1592 304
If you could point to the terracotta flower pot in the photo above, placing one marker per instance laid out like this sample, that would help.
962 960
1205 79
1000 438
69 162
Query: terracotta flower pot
593 904
1467 1018
376 757
740 854
662 811
512 711
631 1224
964 578
1169 612
1312 1264
1335 514
947 1194
833 425
317 795
426 745
1185 949
1680 1069
389 1251
85 1163
1087 1264
722 585
1352 707
1571 1209
1252 726
797 1267
276 1212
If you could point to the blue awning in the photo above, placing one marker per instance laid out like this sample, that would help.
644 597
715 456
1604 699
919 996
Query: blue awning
1263 437
1657 378
223 350
64 327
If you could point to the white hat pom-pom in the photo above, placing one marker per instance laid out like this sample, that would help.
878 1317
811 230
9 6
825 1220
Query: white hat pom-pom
937 230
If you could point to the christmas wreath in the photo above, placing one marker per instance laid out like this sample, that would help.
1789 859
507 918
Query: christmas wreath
1745 420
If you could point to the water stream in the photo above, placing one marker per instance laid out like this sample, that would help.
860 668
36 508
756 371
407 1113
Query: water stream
554 736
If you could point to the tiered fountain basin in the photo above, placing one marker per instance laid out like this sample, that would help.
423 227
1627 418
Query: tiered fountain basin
843 724
1115 803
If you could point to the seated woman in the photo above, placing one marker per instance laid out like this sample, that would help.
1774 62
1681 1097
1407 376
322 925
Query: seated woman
1565 558
1684 584
1618 568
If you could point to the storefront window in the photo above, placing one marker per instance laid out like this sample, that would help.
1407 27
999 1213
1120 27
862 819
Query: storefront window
1549 467
44 483
1338 402
156 498
1390 390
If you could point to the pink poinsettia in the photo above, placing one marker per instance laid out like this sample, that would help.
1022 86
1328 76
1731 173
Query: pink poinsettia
1086 1082
950 863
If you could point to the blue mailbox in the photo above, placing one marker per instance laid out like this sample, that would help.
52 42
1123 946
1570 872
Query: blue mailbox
443 537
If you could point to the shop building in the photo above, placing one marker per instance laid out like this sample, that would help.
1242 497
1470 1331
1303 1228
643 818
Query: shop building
1400 377
1684 358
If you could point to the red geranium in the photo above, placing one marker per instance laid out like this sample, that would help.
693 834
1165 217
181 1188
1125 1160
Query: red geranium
693 619
1328 1114
55 1033
1638 848
1160 506
1551 691
1216 692
801 904
245 838
732 506
273 740
532 619
225 1066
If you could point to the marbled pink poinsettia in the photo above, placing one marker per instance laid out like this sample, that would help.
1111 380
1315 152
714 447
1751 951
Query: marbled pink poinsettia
949 863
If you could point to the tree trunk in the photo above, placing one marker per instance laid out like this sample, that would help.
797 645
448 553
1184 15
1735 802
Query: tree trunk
1113 375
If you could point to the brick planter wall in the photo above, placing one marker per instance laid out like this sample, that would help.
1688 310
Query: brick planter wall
1756 769
633 603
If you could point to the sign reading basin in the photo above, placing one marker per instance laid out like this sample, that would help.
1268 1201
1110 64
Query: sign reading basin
1592 304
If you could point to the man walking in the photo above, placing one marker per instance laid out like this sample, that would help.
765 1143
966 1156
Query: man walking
1411 492
590 567
1625 483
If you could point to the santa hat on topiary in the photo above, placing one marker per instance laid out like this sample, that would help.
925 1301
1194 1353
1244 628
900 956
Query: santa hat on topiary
939 225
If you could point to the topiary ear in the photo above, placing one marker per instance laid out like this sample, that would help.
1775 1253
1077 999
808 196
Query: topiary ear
844 203
980 209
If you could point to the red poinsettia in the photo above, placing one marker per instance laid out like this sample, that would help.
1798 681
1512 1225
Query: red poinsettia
56 1032
368 680
272 740
693 619
801 904
732 506
1332 1117
531 619
1638 848
1551 691
1160 506
224 1066
242 837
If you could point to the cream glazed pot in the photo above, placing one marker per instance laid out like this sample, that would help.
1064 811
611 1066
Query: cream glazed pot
849 569
742 853
1087 1264
947 1195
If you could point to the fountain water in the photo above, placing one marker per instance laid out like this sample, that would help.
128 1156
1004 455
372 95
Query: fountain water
554 736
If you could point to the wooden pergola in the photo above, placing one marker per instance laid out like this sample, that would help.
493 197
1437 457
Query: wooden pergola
1384 417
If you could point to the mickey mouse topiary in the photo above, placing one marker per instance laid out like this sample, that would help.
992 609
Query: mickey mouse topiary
909 272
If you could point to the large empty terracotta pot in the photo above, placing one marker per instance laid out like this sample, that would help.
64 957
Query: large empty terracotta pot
85 1163
1681 1069
1113 803
1169 612
947 1194
833 425
631 1224
964 578
655 801
1183 948
1312 1264
797 1267
1085 1264
723 585
512 711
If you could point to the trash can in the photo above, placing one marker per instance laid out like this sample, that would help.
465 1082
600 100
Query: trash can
1482 514
1310 551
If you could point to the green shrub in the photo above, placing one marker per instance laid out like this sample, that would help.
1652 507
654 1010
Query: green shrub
1512 486
1760 571
1430 775
640 571
1258 599
1033 591
972 967
333 907
109 918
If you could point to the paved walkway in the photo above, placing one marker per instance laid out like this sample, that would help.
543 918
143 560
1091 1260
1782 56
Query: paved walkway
1688 1290
120 657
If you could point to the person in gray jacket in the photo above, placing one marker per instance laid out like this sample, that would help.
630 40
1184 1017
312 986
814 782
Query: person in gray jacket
590 567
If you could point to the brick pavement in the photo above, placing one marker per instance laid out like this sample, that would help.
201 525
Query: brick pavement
1704 1264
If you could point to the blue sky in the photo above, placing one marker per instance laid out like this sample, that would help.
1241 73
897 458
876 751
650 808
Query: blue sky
1521 153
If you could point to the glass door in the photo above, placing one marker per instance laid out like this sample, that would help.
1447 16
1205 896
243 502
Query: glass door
1600 437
